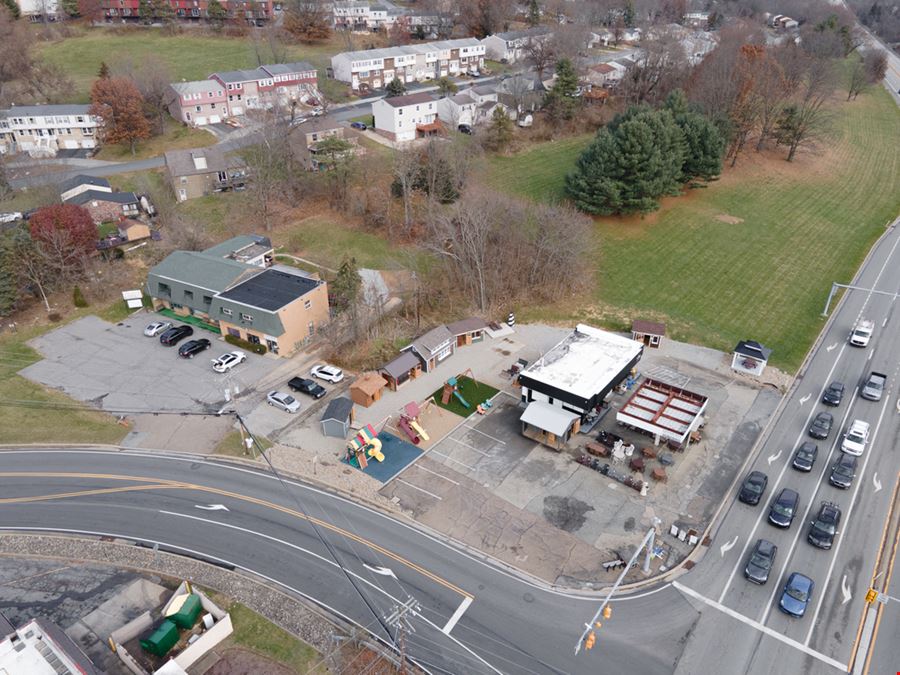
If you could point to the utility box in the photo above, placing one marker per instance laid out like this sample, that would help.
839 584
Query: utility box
161 640
185 615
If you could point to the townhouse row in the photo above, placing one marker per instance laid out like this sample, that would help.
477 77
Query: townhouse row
44 130
232 93
251 11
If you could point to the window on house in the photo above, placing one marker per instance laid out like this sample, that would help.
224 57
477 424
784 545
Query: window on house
254 339
246 317
198 108
226 311
79 119
188 296
88 132
307 304
207 299
234 332
184 180
164 289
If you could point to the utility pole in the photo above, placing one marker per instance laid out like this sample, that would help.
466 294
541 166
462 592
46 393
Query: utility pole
401 624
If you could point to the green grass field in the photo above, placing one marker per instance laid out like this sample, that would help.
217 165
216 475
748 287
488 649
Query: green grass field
753 255
474 393
176 137
254 632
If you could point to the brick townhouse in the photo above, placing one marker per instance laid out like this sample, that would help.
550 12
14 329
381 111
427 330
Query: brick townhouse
44 130
362 15
376 68
252 11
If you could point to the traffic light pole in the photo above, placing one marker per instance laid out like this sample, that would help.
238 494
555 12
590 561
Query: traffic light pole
589 627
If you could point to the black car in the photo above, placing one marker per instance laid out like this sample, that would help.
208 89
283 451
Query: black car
760 562
308 387
192 347
834 394
174 335
465 129
753 487
784 508
805 456
843 471
821 425
824 527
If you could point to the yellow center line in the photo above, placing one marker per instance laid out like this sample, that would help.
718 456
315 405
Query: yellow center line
156 483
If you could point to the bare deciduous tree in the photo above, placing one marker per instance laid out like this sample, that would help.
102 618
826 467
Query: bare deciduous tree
662 68
806 121
540 52
152 77
271 163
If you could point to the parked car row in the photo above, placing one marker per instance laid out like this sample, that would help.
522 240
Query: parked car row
307 386
170 335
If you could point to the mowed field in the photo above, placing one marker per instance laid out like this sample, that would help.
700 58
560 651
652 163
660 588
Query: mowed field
751 256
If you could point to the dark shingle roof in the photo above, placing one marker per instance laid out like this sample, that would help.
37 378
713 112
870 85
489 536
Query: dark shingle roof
242 75
288 68
648 327
96 195
41 110
82 179
409 99
466 325
271 290
200 269
181 162
401 365
428 344
753 349
528 32
338 409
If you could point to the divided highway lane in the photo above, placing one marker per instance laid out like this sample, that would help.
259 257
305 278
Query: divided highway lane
765 639
509 625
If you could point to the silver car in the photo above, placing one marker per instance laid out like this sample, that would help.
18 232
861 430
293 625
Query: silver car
283 401
157 327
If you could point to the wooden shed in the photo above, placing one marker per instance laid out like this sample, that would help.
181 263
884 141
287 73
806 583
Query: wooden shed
467 331
405 367
367 388
650 333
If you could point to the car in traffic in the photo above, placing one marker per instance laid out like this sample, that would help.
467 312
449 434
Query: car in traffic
283 401
796 595
843 471
784 508
328 373
823 529
821 425
173 336
873 386
805 456
856 439
193 347
307 386
834 394
753 487
228 361
862 332
358 125
157 327
760 562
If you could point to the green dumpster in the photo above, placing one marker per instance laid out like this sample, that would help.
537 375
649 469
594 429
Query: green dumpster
161 640
187 614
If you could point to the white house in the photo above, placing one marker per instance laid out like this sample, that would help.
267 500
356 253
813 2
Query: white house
405 118
487 98
39 10
43 130
511 46
362 15
458 109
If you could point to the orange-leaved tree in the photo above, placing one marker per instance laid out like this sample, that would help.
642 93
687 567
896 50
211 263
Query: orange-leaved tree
120 106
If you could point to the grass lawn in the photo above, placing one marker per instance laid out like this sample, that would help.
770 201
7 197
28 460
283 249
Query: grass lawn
232 445
753 255
368 120
176 137
254 632
474 393
190 57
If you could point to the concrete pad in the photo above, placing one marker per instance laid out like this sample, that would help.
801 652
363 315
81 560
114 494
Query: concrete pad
141 595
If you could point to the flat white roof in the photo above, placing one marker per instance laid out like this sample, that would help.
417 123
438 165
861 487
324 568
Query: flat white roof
27 658
585 362
548 417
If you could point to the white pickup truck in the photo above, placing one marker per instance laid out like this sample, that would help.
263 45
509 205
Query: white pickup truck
862 333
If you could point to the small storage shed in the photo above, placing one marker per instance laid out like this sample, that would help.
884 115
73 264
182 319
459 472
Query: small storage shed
184 610
467 331
337 418
549 425
161 640
133 230
405 367
650 333
367 389
750 358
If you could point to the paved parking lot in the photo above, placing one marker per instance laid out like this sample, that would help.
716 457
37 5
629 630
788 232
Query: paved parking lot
115 367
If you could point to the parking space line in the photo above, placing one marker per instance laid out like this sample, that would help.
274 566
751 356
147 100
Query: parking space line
439 475
416 487
457 615
480 452
440 454
761 628
496 440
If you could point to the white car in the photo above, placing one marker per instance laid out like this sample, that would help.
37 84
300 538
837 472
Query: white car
228 361
856 438
157 327
328 373
283 401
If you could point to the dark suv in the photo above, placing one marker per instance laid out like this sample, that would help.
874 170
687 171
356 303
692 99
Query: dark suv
824 527
308 387
174 335
843 471
760 562
784 508
834 394
821 425
753 487
805 456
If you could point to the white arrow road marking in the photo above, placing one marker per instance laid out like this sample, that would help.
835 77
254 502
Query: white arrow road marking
830 347
876 482
805 399
774 457
724 548
211 507
845 591
383 571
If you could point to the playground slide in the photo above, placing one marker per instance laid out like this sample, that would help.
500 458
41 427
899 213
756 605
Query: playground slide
403 423
373 449
464 402
415 425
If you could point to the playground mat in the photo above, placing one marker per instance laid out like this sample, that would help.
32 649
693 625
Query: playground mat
398 454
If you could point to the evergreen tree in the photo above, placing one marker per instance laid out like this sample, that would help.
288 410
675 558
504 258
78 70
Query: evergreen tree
145 11
70 7
216 13
501 129
9 281
347 285
103 73
677 103
446 86
78 298
704 147
162 11
396 88
628 14
562 100
13 8
5 189
534 13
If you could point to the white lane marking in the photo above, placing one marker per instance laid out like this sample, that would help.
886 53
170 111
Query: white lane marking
876 482
496 440
871 354
805 399
455 461
416 487
761 628
471 447
884 323
457 615
840 540
724 548
830 347
773 458
211 507
383 571
439 475
845 591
